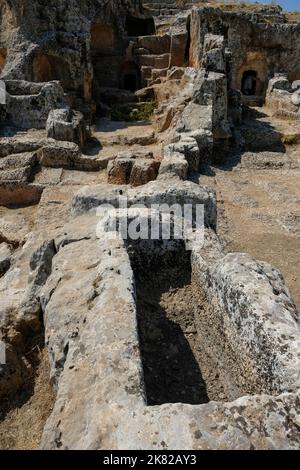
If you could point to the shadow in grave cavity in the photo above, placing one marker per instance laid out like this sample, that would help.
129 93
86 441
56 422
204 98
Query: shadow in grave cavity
167 332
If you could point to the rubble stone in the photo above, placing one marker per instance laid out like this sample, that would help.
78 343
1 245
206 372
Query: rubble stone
66 125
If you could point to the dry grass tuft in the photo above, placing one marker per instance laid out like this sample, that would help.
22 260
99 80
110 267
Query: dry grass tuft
23 417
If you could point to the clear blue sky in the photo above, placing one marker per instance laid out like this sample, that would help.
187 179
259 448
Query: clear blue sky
290 5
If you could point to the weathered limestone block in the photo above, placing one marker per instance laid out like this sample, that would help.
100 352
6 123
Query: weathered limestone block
196 116
258 423
279 82
16 192
41 263
173 95
284 104
119 170
195 132
134 168
213 41
174 164
89 198
14 230
77 349
214 61
20 175
257 320
143 171
159 192
17 145
249 423
214 54
205 142
296 85
56 154
5 258
28 104
211 89
66 125
296 98
161 61
17 161
18 168
188 147
163 119
59 154
155 44
282 99
74 270
20 307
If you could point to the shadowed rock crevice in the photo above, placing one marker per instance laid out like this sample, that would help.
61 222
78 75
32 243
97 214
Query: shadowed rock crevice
168 336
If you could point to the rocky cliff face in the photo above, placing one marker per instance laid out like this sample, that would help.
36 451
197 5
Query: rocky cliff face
263 42
40 42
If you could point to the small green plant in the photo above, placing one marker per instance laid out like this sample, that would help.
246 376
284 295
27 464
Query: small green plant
120 114
89 132
142 112
292 139
146 110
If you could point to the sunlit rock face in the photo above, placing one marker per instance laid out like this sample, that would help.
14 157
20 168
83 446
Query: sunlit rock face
263 43
53 41
130 161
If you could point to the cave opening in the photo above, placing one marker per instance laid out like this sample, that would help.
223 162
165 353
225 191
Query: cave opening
130 76
139 26
130 82
249 83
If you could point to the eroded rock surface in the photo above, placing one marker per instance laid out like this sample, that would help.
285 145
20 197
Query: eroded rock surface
124 118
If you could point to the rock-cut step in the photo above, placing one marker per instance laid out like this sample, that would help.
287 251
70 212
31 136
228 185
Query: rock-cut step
124 133
157 61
